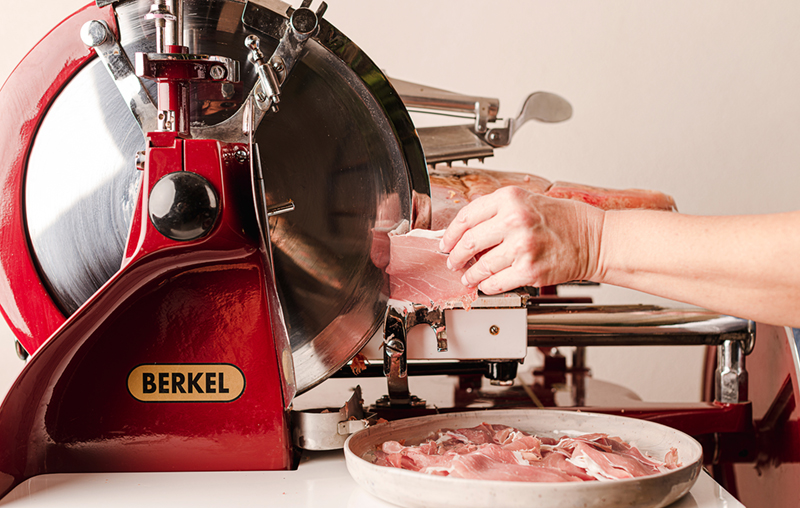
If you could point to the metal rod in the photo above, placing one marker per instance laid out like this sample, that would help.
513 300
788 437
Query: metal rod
553 326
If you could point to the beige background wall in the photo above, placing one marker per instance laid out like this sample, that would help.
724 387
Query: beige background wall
697 99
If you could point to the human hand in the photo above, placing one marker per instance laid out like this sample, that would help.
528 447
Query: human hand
519 238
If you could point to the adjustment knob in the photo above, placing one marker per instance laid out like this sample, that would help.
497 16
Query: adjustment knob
183 206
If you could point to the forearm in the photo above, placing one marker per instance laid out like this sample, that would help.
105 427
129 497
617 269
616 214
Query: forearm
740 265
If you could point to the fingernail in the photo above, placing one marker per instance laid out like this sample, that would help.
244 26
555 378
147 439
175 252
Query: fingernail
448 264
441 245
466 282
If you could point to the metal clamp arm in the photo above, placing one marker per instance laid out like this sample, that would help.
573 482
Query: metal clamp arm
303 23
97 35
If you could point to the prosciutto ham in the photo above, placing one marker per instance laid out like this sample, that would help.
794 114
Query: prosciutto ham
419 274
500 452
609 199
453 188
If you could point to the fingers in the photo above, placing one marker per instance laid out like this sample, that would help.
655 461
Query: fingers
505 280
474 213
476 240
490 263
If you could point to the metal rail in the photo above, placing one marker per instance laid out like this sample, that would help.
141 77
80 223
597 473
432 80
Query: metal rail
640 325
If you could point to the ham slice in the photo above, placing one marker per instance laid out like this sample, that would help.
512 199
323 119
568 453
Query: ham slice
499 452
418 273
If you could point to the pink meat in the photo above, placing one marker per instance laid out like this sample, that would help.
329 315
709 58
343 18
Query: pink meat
612 199
671 459
499 452
478 466
611 465
419 274
558 461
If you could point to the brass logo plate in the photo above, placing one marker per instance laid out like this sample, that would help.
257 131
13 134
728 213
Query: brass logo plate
186 382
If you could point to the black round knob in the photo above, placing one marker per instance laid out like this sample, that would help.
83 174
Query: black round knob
183 206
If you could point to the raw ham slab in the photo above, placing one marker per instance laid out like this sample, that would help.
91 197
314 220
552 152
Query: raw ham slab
453 188
611 199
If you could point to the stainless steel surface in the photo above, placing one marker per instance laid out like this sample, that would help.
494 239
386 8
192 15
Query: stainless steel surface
329 427
97 35
412 489
161 15
414 95
730 377
465 142
302 24
453 143
342 148
632 325
541 106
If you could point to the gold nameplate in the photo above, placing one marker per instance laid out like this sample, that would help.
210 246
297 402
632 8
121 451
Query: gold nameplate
186 382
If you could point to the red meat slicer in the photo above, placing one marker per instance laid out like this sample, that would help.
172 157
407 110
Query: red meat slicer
170 315
172 310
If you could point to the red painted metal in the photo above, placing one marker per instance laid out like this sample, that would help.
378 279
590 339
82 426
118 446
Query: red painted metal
24 99
205 301
770 477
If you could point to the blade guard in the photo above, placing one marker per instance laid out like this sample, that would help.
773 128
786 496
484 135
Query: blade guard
179 362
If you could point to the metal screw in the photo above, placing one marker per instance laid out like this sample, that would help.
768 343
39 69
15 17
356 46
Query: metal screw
94 33
278 65
217 72
494 329
395 346
241 155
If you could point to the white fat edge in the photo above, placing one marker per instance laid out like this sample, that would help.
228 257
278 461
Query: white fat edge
401 229
520 459
426 233
591 467
449 435
436 469
661 465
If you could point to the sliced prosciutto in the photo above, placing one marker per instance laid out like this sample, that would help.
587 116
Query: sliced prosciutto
499 452
418 273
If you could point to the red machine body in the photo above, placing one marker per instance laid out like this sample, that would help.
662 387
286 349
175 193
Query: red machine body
179 362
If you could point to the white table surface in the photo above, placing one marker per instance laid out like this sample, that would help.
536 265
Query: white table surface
321 480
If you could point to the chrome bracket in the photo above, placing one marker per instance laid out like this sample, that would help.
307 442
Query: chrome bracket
328 428
730 378
97 35
301 25
400 319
